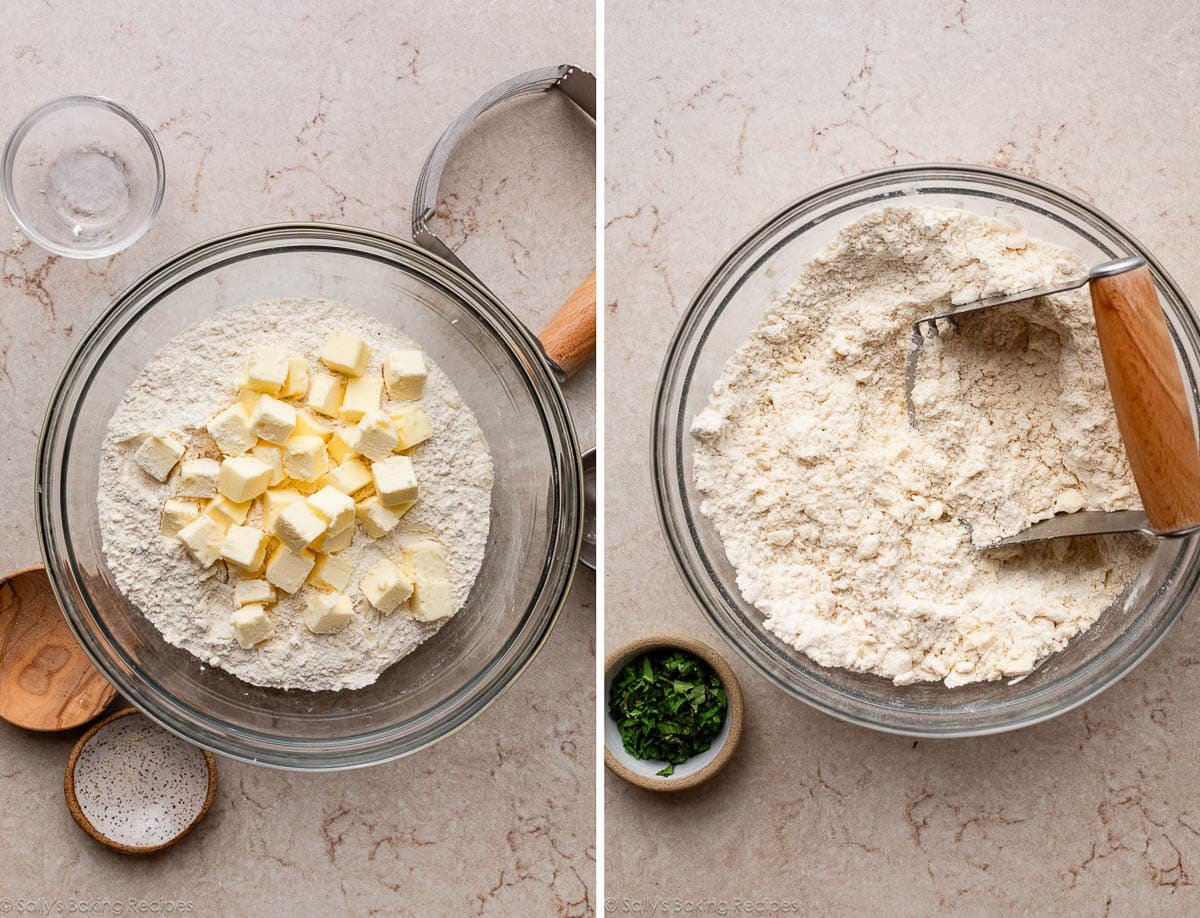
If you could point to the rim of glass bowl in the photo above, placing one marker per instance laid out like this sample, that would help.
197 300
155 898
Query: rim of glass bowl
8 157
385 744
678 516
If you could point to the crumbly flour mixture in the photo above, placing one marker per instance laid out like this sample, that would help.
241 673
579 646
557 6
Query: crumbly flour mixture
182 386
850 528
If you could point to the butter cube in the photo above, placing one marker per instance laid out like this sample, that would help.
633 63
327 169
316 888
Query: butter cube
273 420
344 353
404 373
307 487
377 519
248 398
297 378
385 586
395 480
243 478
352 475
362 395
331 573
343 444
198 478
335 507
325 394
411 425
251 625
227 512
272 456
305 458
297 526
376 437
328 544
246 592
176 514
245 547
327 613
425 560
266 370
309 425
274 501
203 537
231 429
431 601
288 569
158 454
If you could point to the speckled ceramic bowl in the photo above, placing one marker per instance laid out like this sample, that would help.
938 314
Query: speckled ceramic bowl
135 787
697 769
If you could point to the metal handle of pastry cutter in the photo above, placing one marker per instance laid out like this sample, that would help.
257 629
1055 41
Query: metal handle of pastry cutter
569 340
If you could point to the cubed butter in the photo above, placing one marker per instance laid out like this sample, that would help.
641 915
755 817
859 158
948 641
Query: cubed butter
198 478
297 526
327 613
325 394
275 500
345 353
377 519
248 591
251 625
231 429
404 373
176 514
385 586
331 573
376 437
350 476
343 444
243 478
203 537
362 395
328 544
244 547
395 480
288 569
296 383
309 425
272 456
266 370
158 454
335 507
307 487
425 559
273 420
411 425
227 512
430 601
305 458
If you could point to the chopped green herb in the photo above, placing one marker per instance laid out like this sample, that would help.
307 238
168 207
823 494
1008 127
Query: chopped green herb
668 705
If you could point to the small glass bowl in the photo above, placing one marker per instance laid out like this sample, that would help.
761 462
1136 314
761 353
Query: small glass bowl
82 176
730 305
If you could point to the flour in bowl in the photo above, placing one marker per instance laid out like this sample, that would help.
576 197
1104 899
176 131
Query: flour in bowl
851 529
181 388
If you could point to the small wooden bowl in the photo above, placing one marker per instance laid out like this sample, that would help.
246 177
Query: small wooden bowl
697 769
121 777
46 680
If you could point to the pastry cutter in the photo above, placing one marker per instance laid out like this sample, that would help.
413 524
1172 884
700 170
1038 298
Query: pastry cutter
569 338
1148 393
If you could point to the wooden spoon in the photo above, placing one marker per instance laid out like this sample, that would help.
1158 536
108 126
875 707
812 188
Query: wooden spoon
46 680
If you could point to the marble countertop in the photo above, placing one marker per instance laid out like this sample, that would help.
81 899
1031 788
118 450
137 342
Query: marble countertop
719 116
266 112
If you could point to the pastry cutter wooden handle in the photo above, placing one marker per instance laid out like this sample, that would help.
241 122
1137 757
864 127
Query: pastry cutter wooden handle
1151 401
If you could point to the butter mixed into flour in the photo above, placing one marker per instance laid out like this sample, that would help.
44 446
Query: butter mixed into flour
854 530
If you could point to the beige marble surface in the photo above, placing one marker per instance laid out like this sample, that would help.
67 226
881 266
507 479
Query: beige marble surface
717 117
272 111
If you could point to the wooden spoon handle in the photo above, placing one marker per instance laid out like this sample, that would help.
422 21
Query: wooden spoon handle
1148 392
570 336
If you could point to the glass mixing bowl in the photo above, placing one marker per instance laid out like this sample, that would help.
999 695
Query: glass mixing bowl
729 306
537 501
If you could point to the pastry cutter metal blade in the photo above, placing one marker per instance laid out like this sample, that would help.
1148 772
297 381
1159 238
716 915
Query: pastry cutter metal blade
1149 394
